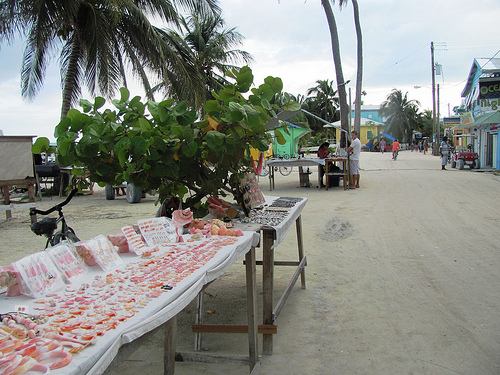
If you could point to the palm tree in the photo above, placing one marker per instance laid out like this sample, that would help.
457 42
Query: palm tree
338 65
98 41
322 101
359 71
344 107
205 50
401 114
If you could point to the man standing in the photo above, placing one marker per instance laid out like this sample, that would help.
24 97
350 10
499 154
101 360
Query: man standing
444 151
355 150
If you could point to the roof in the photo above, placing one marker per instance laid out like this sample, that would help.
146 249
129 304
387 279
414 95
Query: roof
483 66
363 121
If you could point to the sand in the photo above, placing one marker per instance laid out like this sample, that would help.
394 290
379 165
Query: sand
402 275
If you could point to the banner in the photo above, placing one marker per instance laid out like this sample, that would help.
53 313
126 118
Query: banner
466 119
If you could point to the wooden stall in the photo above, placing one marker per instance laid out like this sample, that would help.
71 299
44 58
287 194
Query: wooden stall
16 169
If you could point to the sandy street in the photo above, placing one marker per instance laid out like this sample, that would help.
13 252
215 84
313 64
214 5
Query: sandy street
403 275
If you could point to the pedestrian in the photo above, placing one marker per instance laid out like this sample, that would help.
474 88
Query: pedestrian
426 146
444 151
355 150
382 145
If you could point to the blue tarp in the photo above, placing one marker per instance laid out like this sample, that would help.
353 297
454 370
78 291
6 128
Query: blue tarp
385 135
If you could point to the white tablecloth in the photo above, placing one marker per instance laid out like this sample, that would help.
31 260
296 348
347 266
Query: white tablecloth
96 358
295 162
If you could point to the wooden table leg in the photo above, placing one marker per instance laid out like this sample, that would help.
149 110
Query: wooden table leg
170 344
300 244
267 287
253 347
6 201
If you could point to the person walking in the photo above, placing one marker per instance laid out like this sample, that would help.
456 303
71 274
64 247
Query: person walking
355 150
382 145
444 151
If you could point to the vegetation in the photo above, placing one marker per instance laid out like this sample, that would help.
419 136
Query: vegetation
98 41
204 50
162 145
401 114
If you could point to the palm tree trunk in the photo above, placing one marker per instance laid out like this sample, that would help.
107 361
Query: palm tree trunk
70 80
344 107
359 76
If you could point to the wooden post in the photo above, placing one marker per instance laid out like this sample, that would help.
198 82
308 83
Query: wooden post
268 287
198 320
300 244
6 201
169 348
253 347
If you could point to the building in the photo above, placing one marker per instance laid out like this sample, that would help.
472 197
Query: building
371 124
482 104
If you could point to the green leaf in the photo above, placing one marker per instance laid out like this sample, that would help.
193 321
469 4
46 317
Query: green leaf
266 105
123 144
138 147
180 109
212 106
86 105
125 94
293 106
279 137
190 149
276 84
62 127
215 140
144 124
99 102
264 91
41 145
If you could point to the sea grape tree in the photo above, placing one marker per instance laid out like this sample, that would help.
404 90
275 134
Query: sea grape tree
165 146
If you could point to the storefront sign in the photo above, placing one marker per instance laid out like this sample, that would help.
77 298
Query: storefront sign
489 89
489 104
451 121
466 119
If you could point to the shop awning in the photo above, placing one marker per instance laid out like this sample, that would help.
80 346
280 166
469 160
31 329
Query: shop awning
488 118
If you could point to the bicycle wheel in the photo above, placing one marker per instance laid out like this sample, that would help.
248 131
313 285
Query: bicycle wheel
264 171
285 171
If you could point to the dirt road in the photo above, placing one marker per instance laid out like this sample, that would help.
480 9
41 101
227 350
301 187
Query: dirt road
402 275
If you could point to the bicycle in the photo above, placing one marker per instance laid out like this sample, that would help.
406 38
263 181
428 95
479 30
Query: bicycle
48 225
395 155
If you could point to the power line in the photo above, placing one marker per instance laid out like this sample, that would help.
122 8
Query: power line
396 63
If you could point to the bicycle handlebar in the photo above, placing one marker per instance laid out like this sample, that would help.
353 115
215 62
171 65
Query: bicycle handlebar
57 207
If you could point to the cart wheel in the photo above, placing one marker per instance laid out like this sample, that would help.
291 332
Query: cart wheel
134 195
461 164
453 163
110 192
476 164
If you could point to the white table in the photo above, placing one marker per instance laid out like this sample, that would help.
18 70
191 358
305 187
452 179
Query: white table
96 358
293 163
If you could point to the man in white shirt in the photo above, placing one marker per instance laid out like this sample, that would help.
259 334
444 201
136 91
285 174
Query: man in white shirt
355 150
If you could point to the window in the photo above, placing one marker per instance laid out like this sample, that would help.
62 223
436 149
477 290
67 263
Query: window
369 134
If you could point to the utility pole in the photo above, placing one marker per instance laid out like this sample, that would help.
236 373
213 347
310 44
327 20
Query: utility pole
435 142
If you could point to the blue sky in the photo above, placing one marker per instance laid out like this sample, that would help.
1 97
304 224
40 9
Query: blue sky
290 39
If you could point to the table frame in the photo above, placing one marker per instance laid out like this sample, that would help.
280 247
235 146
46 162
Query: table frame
345 170
293 163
